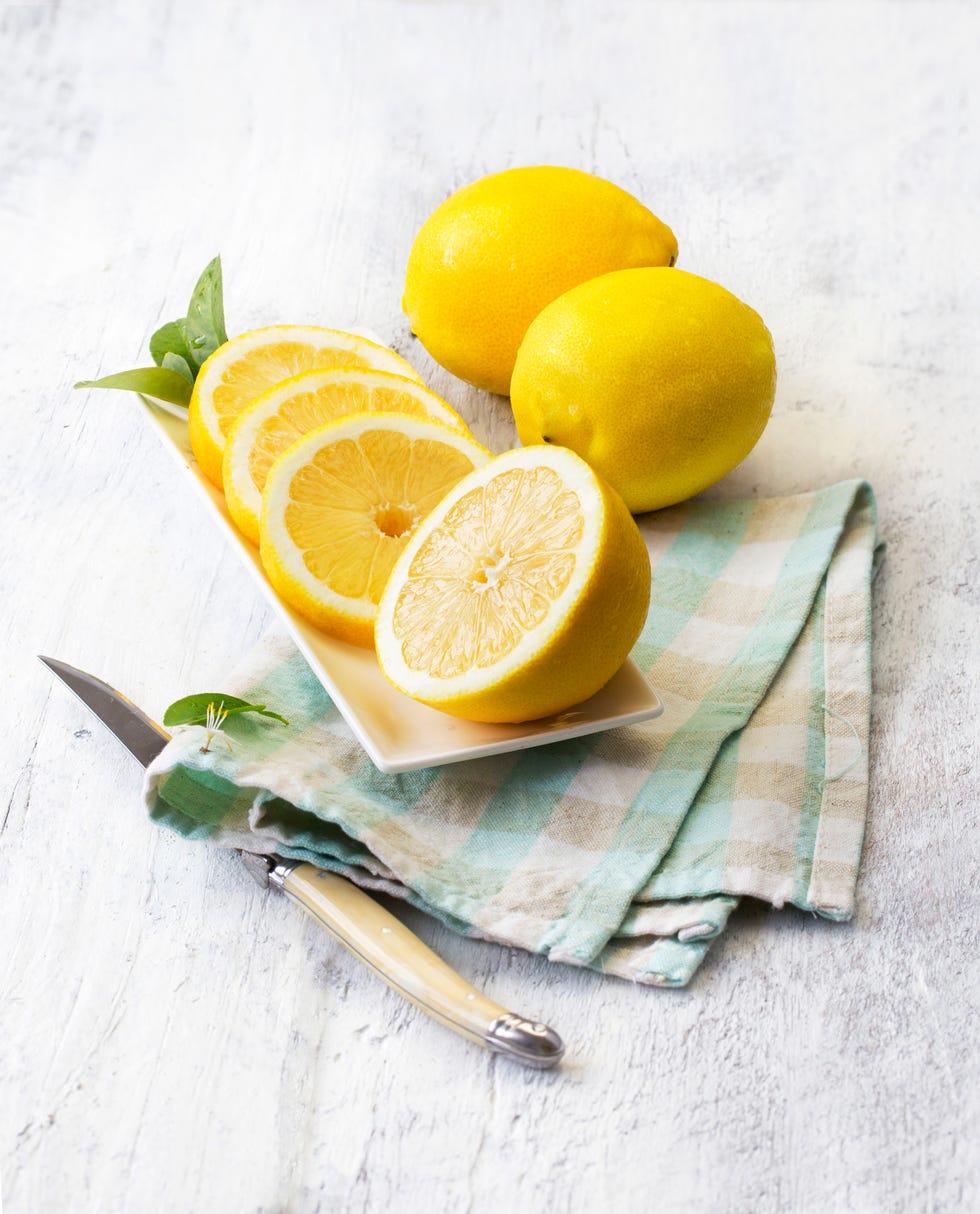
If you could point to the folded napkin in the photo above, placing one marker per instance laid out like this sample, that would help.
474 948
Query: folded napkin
627 850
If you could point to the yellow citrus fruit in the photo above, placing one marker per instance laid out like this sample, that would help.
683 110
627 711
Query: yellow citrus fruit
246 365
661 380
340 505
288 410
520 595
486 261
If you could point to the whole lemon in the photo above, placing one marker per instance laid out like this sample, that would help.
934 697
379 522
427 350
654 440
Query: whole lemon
661 380
486 261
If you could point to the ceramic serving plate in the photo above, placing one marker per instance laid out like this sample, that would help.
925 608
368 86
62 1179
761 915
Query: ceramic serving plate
398 733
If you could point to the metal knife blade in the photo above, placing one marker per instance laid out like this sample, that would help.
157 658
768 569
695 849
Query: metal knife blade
142 737
376 937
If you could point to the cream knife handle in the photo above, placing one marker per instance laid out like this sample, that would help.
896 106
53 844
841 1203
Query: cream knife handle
386 946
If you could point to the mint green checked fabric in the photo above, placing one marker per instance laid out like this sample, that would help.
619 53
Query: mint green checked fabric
625 851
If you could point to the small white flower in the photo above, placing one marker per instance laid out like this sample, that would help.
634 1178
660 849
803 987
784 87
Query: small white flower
213 721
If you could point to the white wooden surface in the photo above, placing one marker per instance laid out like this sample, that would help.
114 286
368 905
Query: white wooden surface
170 1038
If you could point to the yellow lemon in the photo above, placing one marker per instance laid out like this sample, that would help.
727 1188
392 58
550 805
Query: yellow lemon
238 371
520 595
288 410
340 505
486 261
661 380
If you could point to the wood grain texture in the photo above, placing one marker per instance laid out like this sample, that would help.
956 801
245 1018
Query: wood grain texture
170 1039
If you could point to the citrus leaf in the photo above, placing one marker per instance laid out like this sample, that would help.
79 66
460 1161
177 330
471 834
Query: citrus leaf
171 338
204 326
179 347
162 382
193 710
174 362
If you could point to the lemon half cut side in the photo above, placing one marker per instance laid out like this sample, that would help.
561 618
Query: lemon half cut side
238 371
520 595
288 410
341 504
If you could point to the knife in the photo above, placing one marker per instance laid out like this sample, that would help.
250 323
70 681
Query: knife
363 926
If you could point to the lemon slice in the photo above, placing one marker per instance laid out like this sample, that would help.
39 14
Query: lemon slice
287 411
340 504
246 365
520 595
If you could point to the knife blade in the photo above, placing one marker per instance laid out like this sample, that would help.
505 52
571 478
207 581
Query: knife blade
372 934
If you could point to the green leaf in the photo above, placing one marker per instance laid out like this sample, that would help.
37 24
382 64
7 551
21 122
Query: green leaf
162 382
171 338
204 327
193 710
179 347
174 362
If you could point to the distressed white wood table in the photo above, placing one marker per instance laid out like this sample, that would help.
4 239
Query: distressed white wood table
171 1039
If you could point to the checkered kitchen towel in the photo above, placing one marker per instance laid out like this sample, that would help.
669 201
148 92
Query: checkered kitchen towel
627 850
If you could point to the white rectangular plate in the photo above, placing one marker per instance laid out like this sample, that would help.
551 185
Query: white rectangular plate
398 733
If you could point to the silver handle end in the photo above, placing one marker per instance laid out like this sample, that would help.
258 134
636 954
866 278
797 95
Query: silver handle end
526 1041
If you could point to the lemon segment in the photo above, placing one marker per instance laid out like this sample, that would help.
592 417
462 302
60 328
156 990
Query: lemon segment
520 595
245 366
340 505
285 412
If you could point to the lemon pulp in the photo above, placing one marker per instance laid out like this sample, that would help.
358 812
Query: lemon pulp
520 595
246 365
281 415
340 505
486 576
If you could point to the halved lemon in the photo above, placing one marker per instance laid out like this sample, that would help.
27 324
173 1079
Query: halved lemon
340 505
287 411
520 595
246 365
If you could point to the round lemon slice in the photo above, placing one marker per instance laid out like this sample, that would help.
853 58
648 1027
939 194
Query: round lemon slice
246 365
288 410
340 505
520 595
